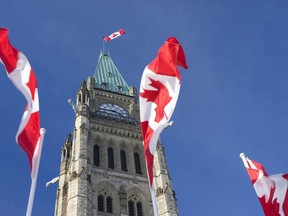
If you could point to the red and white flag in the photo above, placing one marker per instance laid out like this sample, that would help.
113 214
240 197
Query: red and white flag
159 89
29 135
21 74
270 189
114 35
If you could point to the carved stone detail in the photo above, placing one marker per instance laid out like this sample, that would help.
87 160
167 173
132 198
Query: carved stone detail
123 198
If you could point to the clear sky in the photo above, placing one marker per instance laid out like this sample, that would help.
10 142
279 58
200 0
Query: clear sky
233 99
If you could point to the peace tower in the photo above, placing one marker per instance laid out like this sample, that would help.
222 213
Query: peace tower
103 169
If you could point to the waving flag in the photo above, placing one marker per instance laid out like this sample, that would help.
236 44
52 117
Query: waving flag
29 135
114 35
159 89
271 190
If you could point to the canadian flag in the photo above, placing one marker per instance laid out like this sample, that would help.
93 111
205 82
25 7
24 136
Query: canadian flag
159 90
270 189
29 136
114 35
21 74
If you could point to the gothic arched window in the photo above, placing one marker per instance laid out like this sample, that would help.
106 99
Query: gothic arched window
96 155
123 161
105 201
135 204
131 208
139 209
109 205
100 203
110 158
137 163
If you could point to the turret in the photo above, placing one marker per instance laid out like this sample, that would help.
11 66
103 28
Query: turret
165 195
90 83
61 201
82 98
66 149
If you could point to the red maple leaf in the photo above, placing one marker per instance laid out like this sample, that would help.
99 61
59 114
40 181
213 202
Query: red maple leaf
114 35
160 97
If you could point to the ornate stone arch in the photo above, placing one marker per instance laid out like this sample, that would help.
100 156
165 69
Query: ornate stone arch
106 190
137 195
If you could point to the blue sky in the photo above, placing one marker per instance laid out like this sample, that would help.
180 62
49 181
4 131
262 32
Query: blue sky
233 99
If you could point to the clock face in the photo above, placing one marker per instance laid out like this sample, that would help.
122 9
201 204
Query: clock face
113 109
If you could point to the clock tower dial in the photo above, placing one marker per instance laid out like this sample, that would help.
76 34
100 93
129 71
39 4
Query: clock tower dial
113 109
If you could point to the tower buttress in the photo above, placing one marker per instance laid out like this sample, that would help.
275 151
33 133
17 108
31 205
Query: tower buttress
79 177
165 195
61 200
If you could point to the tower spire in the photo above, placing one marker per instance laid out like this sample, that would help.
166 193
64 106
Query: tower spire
108 77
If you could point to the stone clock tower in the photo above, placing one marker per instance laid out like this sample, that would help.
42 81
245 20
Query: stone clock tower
102 169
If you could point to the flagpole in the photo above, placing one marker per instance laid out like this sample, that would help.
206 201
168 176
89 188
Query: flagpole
154 201
152 193
243 157
34 172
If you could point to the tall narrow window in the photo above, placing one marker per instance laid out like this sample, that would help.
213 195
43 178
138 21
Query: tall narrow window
64 155
100 203
137 163
79 98
84 98
139 209
110 158
96 159
123 160
131 208
68 155
109 204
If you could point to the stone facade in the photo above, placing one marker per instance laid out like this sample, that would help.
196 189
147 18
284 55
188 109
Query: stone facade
103 169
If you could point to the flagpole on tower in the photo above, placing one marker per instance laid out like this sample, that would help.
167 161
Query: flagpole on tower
103 46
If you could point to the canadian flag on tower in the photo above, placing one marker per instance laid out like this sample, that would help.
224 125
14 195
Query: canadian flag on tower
114 35
159 90
270 189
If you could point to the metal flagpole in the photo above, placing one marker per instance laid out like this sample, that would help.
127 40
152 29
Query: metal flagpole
244 159
154 201
34 173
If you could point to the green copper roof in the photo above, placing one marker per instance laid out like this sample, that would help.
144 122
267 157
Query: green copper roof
108 77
